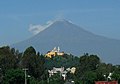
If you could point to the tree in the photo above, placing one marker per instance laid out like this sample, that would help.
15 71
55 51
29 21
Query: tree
27 57
7 58
14 76
56 79
88 63
86 71
103 71
90 77
34 63
116 74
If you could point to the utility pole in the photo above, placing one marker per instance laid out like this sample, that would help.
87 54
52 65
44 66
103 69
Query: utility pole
25 69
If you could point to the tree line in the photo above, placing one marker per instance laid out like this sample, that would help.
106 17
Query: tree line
89 68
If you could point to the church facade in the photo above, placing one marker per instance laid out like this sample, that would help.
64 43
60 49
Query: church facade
54 52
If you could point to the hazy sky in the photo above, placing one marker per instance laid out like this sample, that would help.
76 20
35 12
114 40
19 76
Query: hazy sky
18 17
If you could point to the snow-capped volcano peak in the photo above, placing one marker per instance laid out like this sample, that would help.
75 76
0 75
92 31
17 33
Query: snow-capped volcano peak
35 29
63 20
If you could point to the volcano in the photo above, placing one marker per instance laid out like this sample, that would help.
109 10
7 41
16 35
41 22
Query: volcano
73 39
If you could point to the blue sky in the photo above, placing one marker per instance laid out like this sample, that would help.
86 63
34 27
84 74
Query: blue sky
101 17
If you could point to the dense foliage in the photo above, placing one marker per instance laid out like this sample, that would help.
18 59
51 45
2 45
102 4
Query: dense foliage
89 68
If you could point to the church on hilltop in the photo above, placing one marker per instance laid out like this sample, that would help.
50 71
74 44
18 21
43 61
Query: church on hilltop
54 52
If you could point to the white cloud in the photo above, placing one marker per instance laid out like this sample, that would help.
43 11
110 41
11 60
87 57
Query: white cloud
35 29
